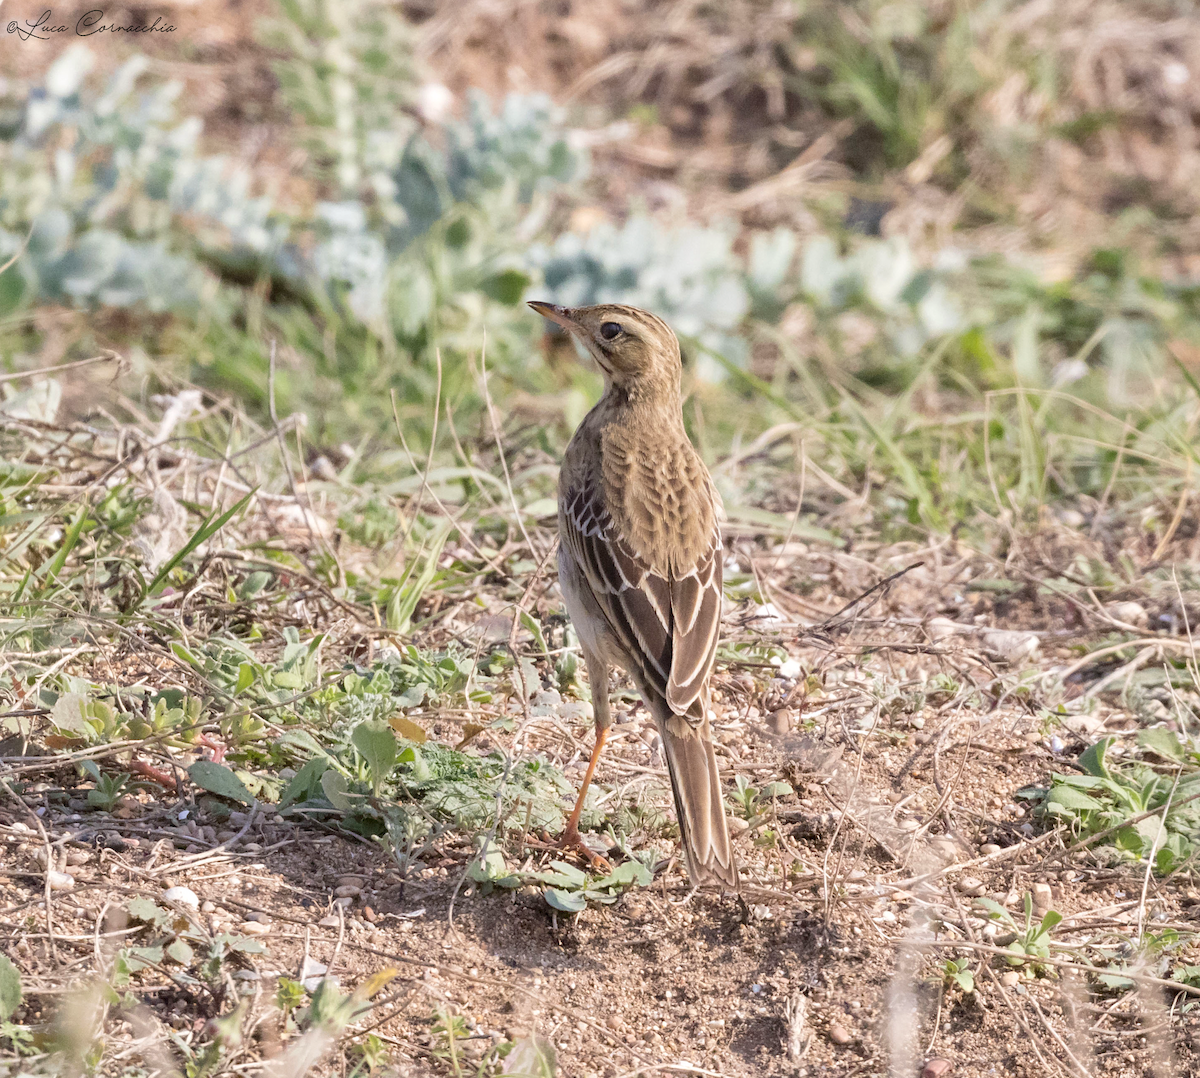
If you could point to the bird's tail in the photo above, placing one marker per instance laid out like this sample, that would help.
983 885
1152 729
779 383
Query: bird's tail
696 784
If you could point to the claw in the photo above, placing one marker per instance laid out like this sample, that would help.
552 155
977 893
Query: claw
572 840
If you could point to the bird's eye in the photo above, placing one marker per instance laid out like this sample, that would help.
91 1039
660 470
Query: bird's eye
610 330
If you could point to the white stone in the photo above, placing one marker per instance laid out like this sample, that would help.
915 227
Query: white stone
185 896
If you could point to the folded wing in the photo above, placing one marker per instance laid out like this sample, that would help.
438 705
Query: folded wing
666 622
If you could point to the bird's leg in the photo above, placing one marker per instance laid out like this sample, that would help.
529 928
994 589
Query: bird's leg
571 839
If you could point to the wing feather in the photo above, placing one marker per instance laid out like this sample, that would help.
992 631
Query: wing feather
696 605
667 625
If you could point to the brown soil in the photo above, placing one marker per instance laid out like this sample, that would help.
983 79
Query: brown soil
877 853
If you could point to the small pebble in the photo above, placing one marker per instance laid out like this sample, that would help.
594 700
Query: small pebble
60 881
185 896
207 907
839 1034
348 890
989 848
255 928
779 722
332 921
969 885
937 1068
1010 979
1129 612
1043 896
368 914
261 918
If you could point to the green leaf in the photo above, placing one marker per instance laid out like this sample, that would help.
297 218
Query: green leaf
1153 833
10 988
335 788
143 909
1052 919
995 909
506 287
489 865
302 739
181 952
302 783
413 696
573 876
527 619
1092 759
377 743
202 534
531 1057
245 678
1163 743
253 584
1073 800
420 769
566 901
68 544
218 779
141 957
68 714
628 874
245 944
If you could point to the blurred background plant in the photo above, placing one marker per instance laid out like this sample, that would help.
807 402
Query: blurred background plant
832 201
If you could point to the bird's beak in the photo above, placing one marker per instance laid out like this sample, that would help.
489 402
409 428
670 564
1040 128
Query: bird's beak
559 315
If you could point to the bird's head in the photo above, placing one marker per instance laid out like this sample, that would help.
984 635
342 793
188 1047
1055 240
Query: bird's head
636 351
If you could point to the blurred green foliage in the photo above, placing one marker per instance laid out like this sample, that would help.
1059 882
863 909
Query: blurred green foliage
406 271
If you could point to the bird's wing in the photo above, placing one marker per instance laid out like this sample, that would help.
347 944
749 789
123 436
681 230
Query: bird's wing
696 613
666 623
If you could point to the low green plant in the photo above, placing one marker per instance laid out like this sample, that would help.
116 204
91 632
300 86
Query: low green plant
447 1030
754 803
956 973
1146 813
109 787
18 1036
569 889
177 942
1031 947
370 1055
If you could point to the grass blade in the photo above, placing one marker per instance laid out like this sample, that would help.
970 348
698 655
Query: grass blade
206 530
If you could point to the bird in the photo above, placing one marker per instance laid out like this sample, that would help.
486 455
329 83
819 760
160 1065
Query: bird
640 565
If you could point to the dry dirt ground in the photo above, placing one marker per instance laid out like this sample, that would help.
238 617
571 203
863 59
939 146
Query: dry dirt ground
906 729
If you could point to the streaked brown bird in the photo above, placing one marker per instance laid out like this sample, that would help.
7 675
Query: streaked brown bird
639 563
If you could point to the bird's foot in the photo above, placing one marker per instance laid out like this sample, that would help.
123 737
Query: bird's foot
572 841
